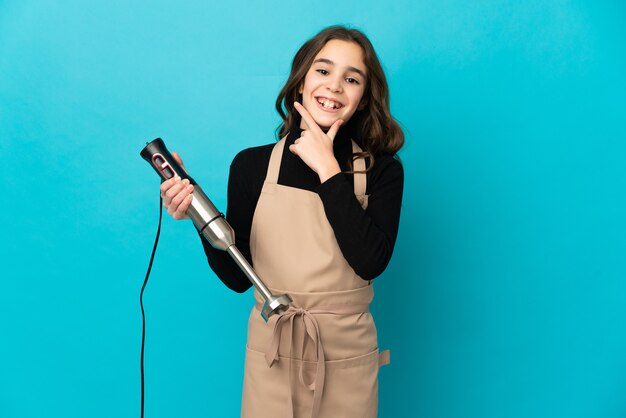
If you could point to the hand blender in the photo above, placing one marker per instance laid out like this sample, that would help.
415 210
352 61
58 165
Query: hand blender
211 223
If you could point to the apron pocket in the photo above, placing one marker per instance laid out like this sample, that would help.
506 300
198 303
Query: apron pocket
265 389
350 387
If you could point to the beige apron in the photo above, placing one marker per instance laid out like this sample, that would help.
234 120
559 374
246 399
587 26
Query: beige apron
319 359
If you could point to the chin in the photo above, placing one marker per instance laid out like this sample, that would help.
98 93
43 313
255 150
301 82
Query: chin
327 121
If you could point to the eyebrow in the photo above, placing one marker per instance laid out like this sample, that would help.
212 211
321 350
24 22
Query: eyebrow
354 69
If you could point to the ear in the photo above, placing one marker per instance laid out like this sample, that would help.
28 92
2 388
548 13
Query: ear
300 88
362 104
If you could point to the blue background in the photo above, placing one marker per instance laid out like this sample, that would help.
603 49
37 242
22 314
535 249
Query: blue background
505 296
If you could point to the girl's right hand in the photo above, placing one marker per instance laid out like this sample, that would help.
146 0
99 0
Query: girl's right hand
176 194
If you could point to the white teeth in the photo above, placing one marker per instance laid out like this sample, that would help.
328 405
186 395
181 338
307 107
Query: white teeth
328 104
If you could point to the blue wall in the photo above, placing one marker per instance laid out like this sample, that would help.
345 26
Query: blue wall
505 296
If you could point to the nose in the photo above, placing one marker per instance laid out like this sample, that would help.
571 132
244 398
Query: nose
334 84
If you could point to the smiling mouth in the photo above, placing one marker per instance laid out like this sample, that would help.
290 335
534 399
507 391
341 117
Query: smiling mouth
328 103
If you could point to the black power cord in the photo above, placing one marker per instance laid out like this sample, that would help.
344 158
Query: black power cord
143 315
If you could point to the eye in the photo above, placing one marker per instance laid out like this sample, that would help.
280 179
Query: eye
352 80
322 71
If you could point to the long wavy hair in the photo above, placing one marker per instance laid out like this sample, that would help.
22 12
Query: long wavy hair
375 130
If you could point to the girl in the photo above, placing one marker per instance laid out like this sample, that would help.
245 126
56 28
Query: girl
317 215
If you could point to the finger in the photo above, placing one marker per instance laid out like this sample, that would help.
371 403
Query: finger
167 184
177 158
306 116
293 149
166 188
179 161
181 211
181 196
333 129
175 189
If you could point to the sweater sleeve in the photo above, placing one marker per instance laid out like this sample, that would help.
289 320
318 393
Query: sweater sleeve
240 210
366 237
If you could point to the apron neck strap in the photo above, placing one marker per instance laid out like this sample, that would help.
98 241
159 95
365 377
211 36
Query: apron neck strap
274 167
360 179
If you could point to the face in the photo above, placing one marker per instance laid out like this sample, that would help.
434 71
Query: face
334 85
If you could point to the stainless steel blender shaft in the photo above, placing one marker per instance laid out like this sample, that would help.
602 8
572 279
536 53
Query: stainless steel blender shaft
211 223
221 235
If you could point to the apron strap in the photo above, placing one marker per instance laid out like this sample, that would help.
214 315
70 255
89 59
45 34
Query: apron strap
384 358
312 333
360 179
273 168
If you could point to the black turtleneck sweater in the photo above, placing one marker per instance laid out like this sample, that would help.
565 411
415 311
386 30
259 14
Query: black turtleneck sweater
366 237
